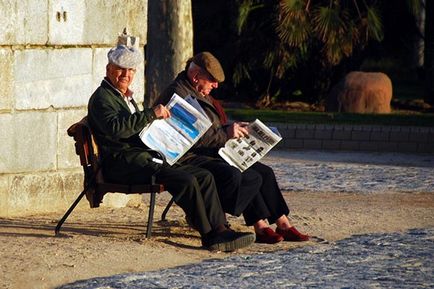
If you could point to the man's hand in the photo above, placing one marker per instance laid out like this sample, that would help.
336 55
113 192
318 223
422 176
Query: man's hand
237 129
161 111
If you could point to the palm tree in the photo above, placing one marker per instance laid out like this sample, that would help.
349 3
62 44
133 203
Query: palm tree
340 26
308 34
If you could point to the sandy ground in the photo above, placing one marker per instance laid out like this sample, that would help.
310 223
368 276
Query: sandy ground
107 241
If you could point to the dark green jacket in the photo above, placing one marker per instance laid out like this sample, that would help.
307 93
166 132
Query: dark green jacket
124 156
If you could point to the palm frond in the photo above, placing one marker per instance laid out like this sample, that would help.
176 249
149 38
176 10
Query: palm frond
246 7
293 25
288 5
328 23
374 24
241 72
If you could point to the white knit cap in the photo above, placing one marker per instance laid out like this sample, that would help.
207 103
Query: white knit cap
125 56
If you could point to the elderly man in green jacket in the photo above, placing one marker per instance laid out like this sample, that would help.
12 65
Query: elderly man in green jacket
116 121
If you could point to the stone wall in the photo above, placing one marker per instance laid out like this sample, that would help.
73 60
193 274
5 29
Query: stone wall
53 56
377 138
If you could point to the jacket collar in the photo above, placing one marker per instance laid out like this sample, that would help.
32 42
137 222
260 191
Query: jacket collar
107 85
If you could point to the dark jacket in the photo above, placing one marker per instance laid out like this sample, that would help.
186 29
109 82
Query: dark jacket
216 136
116 131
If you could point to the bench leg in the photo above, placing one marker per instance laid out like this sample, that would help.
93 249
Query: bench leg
150 215
163 215
68 212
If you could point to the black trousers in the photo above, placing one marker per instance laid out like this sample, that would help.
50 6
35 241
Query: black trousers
193 189
253 193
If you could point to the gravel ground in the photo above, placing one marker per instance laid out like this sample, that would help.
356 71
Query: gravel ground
398 260
386 260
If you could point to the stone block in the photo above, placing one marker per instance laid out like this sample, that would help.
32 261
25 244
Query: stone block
115 15
376 128
431 137
41 193
288 133
368 146
67 22
312 144
74 21
331 144
66 156
4 195
28 142
379 136
387 146
304 133
419 137
23 22
360 135
57 77
349 145
293 143
341 134
323 134
99 66
398 136
407 147
116 200
6 78
425 148
27 194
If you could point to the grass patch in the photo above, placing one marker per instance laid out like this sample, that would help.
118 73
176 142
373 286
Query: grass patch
425 120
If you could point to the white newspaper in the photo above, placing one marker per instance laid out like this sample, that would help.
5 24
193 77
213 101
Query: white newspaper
244 152
175 135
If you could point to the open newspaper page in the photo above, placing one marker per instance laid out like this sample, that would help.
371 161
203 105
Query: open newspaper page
175 135
244 152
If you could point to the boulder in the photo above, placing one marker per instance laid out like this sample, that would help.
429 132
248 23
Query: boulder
361 92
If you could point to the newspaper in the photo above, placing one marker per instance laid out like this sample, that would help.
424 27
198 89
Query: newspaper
244 152
175 135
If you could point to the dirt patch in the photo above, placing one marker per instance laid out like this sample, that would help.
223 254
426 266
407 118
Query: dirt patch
107 241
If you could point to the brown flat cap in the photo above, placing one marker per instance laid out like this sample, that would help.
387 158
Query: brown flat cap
207 61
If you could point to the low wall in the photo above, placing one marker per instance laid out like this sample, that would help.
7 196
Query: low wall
356 137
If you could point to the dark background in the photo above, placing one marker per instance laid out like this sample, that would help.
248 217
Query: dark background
215 30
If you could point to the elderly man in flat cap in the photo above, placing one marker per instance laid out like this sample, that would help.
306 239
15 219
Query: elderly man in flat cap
254 192
116 121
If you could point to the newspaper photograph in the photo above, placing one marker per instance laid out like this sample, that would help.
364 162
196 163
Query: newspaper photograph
175 135
244 152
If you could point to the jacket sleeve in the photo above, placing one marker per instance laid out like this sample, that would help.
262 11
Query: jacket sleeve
112 118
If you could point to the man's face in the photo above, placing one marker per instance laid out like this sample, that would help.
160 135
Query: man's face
205 83
121 78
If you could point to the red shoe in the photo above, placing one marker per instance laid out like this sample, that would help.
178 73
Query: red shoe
292 234
268 236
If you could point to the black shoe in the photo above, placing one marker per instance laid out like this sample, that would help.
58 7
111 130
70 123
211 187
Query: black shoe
227 241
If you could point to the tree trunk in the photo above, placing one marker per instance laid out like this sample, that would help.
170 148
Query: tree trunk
418 38
429 51
169 44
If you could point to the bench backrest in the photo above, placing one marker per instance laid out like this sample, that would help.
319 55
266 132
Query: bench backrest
94 183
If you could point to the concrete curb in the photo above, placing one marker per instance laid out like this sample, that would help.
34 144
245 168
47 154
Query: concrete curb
372 138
